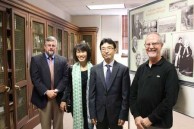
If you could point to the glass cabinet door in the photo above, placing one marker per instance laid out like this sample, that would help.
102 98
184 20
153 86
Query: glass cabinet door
38 37
87 39
59 39
4 110
2 73
65 44
19 70
89 35
72 39
50 30
4 107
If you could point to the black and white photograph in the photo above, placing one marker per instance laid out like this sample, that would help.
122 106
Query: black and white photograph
150 26
183 55
163 36
167 24
134 44
144 56
137 25
138 59
177 5
187 18
146 27
166 53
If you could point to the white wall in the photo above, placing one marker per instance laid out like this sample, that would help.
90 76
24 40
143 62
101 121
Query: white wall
50 8
109 27
112 28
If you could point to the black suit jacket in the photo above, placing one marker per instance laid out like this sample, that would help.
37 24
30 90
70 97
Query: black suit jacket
113 100
41 78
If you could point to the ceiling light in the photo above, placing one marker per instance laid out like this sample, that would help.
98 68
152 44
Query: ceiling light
106 6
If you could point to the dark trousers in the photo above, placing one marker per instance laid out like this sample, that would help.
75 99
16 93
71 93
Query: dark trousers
105 124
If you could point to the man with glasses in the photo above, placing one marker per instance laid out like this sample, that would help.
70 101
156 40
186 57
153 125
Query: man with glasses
154 90
108 90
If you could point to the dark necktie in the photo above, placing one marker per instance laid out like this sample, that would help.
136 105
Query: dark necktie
51 66
108 74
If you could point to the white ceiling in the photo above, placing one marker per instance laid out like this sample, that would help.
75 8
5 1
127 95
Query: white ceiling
78 7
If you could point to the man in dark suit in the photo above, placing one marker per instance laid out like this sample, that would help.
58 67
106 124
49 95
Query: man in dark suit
49 75
108 90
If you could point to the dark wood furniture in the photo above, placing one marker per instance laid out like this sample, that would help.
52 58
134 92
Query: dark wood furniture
23 29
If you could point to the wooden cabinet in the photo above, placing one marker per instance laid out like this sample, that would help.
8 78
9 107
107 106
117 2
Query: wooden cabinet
4 88
13 69
23 29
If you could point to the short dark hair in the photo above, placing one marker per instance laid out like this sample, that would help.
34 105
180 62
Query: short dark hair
109 41
82 47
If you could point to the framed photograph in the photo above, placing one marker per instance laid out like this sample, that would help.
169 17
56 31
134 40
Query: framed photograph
137 25
150 26
177 5
183 55
187 18
167 24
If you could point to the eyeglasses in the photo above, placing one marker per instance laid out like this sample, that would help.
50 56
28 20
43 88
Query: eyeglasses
147 45
106 49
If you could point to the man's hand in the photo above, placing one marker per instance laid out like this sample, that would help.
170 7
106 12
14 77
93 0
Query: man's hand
63 106
94 121
139 122
51 94
121 122
147 122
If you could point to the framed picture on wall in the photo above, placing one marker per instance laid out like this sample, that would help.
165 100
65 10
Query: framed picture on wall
183 55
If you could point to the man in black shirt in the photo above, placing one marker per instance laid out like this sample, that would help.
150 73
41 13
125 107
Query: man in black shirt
154 90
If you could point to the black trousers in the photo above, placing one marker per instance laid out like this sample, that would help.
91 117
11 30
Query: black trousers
105 124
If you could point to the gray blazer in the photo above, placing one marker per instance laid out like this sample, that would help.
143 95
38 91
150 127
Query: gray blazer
113 100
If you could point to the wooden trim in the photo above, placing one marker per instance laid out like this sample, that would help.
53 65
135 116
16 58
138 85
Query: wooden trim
27 7
32 123
88 29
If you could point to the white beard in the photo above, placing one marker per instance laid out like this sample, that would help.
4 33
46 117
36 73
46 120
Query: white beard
50 53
